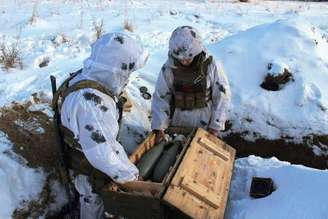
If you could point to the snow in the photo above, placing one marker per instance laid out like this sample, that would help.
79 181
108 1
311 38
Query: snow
320 151
41 107
245 36
277 68
33 126
59 194
15 178
300 108
300 191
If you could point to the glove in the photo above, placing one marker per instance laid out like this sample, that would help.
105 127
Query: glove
160 135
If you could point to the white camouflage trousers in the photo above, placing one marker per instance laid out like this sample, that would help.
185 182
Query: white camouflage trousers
91 204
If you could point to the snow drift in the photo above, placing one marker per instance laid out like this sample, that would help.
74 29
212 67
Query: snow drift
300 191
299 106
18 183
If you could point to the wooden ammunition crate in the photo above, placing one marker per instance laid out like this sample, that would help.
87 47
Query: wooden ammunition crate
197 186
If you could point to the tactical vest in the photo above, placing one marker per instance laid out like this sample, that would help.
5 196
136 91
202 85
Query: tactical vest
190 84
76 158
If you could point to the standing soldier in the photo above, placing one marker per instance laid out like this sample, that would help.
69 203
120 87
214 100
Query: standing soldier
89 106
191 90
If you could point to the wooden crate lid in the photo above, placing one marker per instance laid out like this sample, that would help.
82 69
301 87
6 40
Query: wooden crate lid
201 184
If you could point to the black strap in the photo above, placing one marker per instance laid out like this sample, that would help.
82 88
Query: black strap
62 87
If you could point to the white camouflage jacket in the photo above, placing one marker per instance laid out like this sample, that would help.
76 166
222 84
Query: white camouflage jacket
186 43
92 116
213 116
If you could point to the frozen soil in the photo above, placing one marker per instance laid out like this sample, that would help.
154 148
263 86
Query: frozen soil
32 134
283 149
33 137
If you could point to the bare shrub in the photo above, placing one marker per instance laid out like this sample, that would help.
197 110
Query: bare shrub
98 28
81 18
10 55
60 39
65 38
128 25
33 17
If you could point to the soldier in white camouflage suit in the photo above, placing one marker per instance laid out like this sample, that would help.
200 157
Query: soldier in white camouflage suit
191 90
90 114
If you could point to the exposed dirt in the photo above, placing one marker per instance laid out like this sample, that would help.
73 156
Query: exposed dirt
33 137
32 134
275 83
37 208
282 149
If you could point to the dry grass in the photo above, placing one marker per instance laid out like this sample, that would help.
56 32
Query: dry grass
64 38
60 39
128 25
33 17
128 13
10 55
98 27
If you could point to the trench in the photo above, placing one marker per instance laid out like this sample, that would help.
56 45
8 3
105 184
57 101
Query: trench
40 150
295 153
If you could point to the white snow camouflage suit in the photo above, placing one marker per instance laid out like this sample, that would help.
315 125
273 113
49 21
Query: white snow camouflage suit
185 42
93 117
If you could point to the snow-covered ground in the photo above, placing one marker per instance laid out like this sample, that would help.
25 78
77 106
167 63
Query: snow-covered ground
18 183
291 35
300 107
300 191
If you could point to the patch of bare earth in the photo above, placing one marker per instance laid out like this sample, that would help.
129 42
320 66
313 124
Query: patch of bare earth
33 137
284 149
37 208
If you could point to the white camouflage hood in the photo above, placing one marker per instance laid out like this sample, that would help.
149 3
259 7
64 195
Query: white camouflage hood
185 43
113 58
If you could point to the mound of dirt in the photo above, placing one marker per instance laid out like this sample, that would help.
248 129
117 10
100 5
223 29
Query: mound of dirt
32 133
31 130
